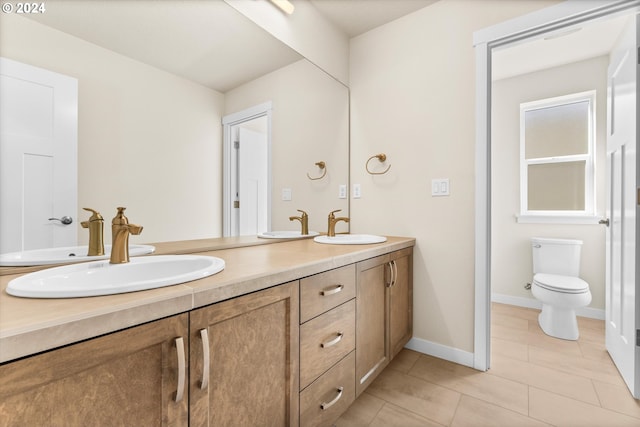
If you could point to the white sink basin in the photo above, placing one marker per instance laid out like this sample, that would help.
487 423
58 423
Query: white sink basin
286 234
63 255
350 239
101 278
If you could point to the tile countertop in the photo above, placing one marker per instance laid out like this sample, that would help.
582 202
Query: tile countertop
29 326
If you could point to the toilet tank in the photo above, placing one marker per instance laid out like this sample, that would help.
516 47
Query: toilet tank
556 256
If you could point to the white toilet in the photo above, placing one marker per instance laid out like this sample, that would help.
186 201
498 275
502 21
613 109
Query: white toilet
556 267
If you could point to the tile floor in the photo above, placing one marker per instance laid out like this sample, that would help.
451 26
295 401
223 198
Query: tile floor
534 380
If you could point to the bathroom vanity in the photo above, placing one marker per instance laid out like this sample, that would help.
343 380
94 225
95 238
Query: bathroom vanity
288 334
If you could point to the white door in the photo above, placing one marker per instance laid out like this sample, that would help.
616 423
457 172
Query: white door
253 182
622 209
38 157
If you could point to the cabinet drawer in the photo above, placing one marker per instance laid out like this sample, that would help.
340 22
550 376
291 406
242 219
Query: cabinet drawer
330 395
322 292
325 340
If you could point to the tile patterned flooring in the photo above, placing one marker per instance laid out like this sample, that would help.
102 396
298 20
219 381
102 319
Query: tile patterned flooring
534 380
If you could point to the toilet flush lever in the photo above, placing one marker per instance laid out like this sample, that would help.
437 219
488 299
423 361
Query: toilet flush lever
604 221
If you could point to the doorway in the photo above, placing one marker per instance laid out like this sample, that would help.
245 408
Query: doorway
556 18
38 158
247 171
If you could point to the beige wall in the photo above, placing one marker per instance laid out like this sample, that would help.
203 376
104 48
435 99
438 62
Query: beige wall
147 140
412 97
310 121
511 250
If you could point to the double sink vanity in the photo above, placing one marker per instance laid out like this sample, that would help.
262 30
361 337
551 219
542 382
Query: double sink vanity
288 332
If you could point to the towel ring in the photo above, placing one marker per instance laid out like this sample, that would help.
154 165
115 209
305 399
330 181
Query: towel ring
323 167
381 157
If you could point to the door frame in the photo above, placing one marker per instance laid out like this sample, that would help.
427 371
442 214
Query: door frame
228 121
554 18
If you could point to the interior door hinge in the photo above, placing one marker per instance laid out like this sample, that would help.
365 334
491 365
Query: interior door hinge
637 337
638 192
236 144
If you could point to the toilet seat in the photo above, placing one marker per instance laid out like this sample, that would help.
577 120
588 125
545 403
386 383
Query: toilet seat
562 284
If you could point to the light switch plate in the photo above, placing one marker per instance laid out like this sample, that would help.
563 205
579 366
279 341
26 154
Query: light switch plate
286 194
342 191
357 191
440 187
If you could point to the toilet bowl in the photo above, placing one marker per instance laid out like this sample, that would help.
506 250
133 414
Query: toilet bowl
556 267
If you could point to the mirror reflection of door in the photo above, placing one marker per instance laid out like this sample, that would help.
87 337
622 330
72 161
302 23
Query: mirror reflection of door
247 172
38 159
250 195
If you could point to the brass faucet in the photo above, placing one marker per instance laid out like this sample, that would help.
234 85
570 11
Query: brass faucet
331 232
304 221
95 224
120 230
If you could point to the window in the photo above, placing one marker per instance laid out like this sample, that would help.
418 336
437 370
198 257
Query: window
557 168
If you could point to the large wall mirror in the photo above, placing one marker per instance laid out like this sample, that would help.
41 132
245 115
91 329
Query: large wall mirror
155 80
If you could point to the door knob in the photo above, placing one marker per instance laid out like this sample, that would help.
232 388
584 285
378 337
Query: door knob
66 220
604 221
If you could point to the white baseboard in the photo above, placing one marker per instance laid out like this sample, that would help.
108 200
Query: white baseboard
441 351
593 313
465 358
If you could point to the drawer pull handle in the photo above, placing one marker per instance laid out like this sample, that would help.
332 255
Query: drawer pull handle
333 341
334 290
324 406
204 335
182 367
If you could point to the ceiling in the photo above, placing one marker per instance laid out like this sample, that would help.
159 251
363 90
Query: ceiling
354 17
208 42
554 49
212 44
204 41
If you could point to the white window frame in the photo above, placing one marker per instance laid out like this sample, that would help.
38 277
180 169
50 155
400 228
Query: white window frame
586 216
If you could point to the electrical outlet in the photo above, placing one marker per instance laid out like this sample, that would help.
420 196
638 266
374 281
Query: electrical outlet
286 194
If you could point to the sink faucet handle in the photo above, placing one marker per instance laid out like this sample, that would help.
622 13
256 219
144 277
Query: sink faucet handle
95 214
95 224
304 221
331 214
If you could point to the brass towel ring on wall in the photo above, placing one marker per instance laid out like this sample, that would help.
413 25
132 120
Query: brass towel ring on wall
323 168
381 157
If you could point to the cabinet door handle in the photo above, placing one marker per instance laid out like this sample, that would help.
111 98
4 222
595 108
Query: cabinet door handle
204 335
391 275
334 290
182 367
324 406
333 341
395 272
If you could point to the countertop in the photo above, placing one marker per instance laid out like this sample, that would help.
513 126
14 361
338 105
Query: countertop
177 247
29 326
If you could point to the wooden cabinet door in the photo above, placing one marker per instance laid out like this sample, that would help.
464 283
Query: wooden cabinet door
244 360
128 378
372 337
401 301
